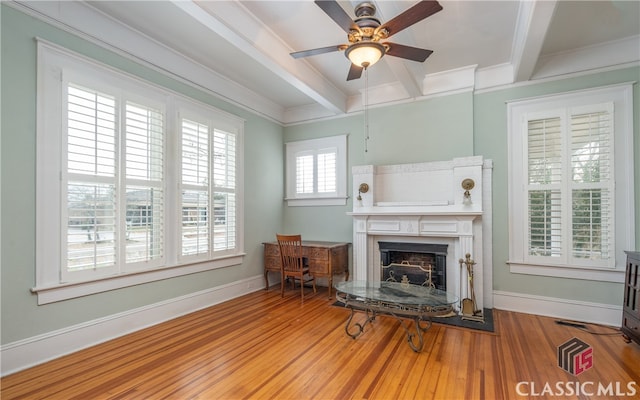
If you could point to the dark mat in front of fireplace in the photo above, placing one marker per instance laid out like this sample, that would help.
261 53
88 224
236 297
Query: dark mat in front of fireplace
458 321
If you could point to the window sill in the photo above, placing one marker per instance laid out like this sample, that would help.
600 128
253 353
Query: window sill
589 274
65 291
317 201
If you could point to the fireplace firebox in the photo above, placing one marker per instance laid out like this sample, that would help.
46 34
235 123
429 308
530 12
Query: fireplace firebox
417 263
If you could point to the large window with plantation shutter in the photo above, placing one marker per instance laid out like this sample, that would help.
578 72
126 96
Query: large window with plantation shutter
316 171
114 182
208 183
135 183
571 183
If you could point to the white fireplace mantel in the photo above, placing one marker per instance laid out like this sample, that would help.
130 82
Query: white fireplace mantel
425 203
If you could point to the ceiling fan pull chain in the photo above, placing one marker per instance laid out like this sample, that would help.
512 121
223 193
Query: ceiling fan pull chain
366 109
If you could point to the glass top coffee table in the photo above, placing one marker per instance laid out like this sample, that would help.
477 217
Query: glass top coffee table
400 300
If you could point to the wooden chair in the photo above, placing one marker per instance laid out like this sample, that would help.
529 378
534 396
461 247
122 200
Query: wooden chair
293 265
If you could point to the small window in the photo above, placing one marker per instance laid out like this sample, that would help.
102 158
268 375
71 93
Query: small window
317 171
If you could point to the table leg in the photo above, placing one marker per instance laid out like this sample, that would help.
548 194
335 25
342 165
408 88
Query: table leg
371 315
417 334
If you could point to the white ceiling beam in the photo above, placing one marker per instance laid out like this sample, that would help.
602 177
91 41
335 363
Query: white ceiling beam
386 10
82 19
266 49
534 19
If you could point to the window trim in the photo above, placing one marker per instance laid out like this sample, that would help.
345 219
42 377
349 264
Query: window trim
622 97
53 61
315 145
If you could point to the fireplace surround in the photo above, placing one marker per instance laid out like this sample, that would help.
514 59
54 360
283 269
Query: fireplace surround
426 203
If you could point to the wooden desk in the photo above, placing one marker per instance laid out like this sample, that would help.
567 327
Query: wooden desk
325 259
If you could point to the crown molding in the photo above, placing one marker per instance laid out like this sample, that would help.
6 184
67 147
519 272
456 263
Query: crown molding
88 23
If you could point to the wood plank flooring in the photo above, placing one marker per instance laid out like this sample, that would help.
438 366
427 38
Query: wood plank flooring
261 346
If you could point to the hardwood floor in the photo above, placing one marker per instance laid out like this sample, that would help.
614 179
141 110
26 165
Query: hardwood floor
261 346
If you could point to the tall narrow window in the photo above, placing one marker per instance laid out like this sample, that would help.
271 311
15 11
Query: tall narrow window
566 153
209 187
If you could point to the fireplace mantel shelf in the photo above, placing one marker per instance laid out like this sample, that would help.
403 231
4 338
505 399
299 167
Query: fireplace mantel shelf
443 211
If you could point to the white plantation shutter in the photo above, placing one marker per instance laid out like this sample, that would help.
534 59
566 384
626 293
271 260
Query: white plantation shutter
304 173
327 169
316 171
208 187
569 189
224 197
592 184
544 187
91 132
144 173
91 228
195 187
103 238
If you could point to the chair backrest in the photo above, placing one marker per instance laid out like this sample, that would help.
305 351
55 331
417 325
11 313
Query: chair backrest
290 251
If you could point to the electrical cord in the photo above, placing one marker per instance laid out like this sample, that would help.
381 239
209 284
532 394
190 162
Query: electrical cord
584 328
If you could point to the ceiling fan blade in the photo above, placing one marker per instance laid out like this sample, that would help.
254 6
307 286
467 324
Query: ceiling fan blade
414 14
355 72
337 14
313 52
408 52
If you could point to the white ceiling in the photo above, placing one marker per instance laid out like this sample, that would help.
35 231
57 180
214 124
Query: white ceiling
240 49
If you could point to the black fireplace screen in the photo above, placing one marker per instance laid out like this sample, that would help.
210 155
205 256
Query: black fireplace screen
418 263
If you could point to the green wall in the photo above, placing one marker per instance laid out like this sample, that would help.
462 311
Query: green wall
454 126
435 129
21 316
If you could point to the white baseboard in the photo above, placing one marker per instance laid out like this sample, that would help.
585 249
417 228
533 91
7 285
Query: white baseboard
32 351
606 314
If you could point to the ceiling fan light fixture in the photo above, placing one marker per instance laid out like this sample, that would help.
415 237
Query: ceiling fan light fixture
365 54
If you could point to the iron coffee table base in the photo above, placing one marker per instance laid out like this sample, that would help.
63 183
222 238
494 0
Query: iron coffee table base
421 316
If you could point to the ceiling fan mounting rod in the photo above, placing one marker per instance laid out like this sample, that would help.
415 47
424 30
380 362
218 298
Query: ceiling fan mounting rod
365 9
368 26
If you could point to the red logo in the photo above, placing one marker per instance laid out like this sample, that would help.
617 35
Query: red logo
575 356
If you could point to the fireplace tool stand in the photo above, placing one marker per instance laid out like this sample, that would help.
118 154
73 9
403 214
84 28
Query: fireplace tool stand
469 307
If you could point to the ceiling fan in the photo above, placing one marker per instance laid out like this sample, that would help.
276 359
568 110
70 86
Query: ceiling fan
366 34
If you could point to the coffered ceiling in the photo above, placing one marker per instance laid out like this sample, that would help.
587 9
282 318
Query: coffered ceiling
239 50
